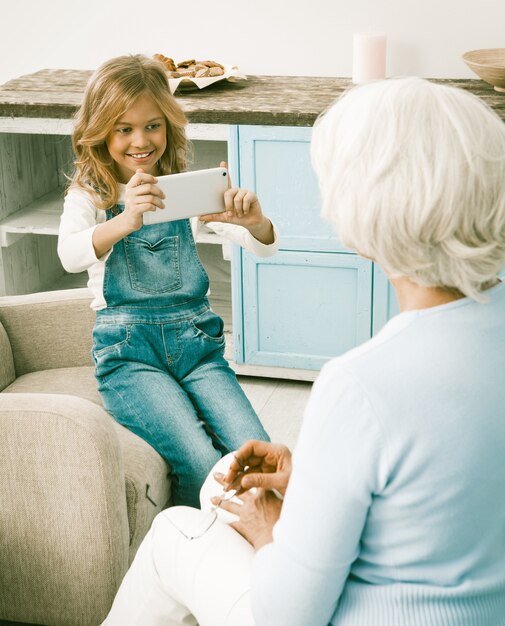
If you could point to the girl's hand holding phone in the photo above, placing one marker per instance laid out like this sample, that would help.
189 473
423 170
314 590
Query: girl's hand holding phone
141 195
243 208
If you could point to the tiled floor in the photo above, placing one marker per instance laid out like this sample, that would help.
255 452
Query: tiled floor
280 405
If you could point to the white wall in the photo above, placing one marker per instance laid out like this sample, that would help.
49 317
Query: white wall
291 37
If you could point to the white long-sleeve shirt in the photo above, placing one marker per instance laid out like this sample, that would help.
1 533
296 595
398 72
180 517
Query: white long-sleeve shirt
80 217
395 510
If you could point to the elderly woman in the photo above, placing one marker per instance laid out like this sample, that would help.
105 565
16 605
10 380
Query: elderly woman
394 507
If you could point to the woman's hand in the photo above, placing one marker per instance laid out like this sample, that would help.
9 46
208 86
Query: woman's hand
141 195
257 513
243 208
260 464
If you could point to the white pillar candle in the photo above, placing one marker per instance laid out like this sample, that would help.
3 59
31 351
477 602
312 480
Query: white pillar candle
369 57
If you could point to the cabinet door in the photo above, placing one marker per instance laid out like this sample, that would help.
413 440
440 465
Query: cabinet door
312 300
275 163
298 309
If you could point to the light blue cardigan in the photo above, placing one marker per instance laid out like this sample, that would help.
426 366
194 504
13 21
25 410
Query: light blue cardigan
395 512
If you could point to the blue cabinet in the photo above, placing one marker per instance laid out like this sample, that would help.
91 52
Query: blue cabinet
298 309
315 299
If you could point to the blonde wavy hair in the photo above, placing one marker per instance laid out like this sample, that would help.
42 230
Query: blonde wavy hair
412 175
110 92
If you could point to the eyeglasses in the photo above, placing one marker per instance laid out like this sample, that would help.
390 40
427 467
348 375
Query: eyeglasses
207 521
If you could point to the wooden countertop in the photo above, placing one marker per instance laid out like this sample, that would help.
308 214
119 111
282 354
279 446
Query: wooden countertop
267 100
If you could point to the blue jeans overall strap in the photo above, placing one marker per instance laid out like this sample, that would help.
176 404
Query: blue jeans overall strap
159 355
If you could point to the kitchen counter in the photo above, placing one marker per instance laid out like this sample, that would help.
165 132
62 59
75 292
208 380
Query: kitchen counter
259 100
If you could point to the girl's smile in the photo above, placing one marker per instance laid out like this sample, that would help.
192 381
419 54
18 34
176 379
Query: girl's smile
141 157
138 138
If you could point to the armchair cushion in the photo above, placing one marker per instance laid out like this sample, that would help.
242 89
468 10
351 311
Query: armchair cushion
146 473
48 330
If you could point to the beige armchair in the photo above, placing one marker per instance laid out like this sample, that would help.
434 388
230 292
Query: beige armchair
78 491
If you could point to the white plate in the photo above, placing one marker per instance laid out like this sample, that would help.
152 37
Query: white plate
185 83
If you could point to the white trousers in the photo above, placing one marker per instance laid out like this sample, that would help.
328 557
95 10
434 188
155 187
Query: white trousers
174 581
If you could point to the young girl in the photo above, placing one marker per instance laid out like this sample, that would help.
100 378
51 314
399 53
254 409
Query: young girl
157 346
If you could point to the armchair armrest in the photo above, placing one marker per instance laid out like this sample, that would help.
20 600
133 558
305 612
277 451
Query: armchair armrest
63 519
48 330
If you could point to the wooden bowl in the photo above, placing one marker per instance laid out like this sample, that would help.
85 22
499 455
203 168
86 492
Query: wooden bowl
489 64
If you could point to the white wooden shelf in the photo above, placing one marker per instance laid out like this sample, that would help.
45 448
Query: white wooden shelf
42 217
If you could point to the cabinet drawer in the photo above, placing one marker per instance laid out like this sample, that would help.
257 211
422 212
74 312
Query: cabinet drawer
299 309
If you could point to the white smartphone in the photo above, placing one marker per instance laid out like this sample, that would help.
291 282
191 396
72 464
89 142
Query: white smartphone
190 193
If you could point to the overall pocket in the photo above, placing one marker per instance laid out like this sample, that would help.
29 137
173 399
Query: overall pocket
153 266
109 338
209 326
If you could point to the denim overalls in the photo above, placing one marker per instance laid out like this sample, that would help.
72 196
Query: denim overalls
159 356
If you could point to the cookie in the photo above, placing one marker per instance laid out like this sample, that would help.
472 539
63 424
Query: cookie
186 71
167 61
211 64
186 63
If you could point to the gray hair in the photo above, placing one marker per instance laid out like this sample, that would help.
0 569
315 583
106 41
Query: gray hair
412 175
